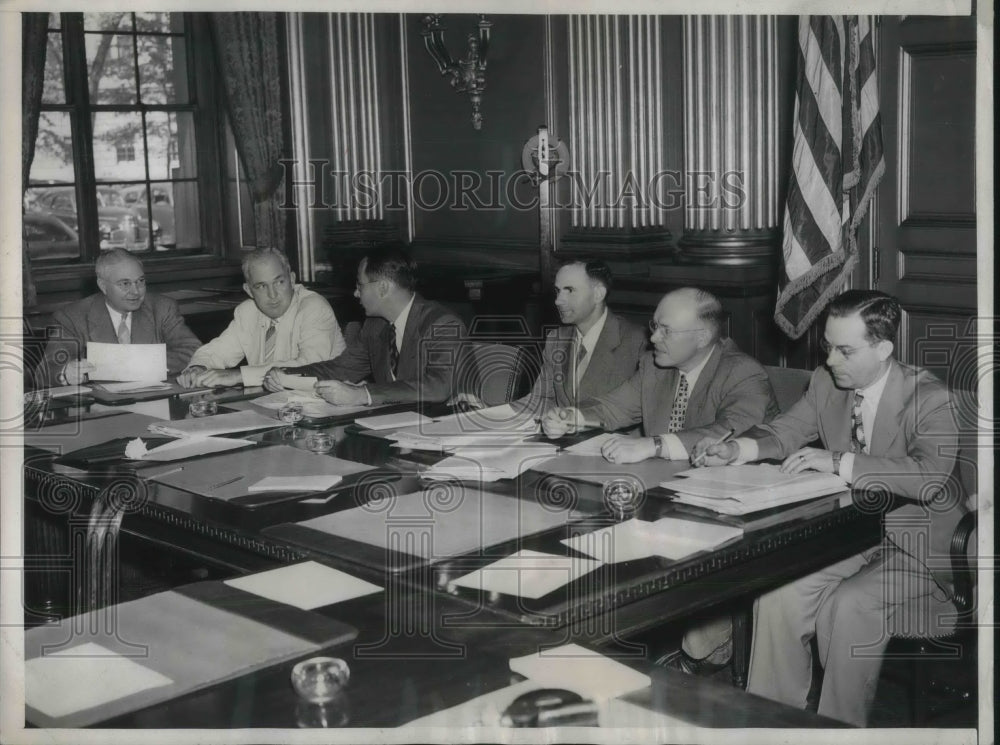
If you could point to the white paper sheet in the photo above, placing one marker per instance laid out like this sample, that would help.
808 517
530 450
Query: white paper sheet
295 483
493 463
592 446
83 677
127 362
220 424
160 408
64 391
307 585
399 419
295 382
576 668
670 537
189 447
135 387
503 418
312 405
527 574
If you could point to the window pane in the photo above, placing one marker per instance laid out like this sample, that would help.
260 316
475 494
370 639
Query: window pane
50 222
171 141
53 161
111 65
54 90
119 154
55 19
107 21
162 69
159 23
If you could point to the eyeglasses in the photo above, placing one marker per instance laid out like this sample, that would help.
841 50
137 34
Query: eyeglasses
844 352
359 285
667 331
126 285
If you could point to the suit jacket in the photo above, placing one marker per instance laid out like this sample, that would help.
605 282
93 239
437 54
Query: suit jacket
732 391
157 321
428 356
613 360
911 451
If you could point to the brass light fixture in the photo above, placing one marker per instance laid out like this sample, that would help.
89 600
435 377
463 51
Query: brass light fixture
467 75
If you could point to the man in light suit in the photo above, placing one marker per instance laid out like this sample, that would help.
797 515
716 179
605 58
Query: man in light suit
885 426
406 349
595 350
123 313
282 323
693 384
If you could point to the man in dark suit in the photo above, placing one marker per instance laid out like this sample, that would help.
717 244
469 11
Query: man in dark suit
693 384
885 426
405 351
595 350
122 312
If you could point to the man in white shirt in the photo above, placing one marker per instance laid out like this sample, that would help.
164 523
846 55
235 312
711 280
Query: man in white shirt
883 426
121 313
282 324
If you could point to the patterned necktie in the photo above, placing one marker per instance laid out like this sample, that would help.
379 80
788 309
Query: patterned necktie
679 410
858 440
124 335
269 342
393 350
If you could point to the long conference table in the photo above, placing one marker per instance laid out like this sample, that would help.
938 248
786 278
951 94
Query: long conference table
423 644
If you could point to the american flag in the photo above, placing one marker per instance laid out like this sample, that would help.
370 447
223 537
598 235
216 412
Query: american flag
837 162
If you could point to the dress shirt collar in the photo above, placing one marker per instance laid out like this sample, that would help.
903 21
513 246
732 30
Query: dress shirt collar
400 322
692 375
116 318
589 340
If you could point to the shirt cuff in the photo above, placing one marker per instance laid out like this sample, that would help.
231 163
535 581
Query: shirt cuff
748 450
368 395
253 375
847 467
673 448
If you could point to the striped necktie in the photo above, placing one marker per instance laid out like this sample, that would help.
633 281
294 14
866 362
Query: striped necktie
679 411
124 335
393 351
269 343
858 440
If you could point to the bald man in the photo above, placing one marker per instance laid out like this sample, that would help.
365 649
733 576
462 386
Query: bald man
693 384
123 313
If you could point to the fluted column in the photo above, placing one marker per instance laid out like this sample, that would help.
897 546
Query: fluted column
731 139
616 137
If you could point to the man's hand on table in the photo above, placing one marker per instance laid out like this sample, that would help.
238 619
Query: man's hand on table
709 452
567 420
76 371
621 449
808 459
342 394
198 376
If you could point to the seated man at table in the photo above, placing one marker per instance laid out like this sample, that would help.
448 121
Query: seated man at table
883 425
121 313
405 351
282 324
693 384
594 352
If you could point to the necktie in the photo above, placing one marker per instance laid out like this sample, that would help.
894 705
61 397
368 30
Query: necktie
679 410
269 342
581 352
393 351
858 440
124 335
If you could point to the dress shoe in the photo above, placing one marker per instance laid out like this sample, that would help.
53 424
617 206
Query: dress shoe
680 660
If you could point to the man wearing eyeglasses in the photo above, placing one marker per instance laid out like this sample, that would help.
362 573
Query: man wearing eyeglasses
693 384
122 312
282 323
405 351
881 425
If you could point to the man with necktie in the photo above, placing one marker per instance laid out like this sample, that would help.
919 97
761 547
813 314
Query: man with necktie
283 323
881 425
406 349
121 312
594 351
693 384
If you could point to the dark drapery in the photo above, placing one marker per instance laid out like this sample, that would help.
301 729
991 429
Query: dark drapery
247 50
33 43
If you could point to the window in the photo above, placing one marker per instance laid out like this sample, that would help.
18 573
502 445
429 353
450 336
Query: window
126 148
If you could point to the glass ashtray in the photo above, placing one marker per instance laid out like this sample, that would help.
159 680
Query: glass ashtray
203 408
291 413
319 680
320 442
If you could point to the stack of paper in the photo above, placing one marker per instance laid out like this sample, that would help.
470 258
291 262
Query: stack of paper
185 447
739 490
312 405
295 483
492 464
576 668
128 362
670 537
391 421
527 574
220 424
307 585
497 426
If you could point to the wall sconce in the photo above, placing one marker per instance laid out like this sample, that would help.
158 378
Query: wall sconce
465 76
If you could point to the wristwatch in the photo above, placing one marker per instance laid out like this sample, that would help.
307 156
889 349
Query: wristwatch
658 441
836 461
